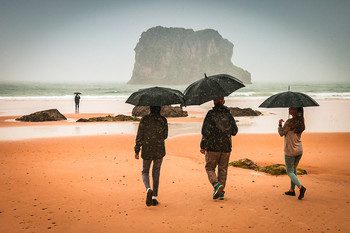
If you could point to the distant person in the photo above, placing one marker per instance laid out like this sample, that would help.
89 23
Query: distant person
218 127
293 148
152 131
77 101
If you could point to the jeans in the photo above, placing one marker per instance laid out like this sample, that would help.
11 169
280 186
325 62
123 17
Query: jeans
146 164
220 160
291 167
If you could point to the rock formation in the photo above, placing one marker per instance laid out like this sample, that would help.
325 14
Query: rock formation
110 118
239 112
182 56
47 115
167 111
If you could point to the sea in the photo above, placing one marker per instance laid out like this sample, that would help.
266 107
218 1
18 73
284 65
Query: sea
115 90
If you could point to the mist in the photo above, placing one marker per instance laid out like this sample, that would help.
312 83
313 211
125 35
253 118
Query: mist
90 41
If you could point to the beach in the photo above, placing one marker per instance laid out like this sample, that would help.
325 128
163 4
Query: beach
82 177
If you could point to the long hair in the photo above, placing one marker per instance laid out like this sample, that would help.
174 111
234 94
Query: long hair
297 123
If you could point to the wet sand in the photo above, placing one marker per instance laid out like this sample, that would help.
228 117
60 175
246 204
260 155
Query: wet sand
331 116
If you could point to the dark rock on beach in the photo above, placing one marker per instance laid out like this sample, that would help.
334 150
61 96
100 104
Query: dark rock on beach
166 111
110 118
239 112
245 163
274 169
182 56
46 115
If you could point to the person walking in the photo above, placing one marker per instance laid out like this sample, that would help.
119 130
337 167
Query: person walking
293 148
151 134
218 127
77 101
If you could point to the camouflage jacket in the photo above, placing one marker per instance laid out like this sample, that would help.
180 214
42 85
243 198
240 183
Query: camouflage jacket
152 131
218 126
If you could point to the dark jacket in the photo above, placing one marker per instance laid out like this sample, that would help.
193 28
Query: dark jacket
152 131
218 126
77 99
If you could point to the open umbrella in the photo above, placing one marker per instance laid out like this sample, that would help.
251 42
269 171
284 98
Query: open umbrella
210 88
155 96
289 99
77 93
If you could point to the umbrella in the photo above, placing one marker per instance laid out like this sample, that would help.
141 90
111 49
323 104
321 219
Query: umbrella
210 88
155 96
289 99
77 93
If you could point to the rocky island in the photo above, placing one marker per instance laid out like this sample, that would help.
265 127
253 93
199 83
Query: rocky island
174 56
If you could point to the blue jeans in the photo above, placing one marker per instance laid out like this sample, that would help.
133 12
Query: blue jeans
291 167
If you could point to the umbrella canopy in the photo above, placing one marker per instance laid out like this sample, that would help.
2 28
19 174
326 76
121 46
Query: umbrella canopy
289 99
155 96
77 93
210 88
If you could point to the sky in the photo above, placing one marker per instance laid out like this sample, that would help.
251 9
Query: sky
93 41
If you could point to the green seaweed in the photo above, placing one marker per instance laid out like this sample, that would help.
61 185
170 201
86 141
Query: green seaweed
274 169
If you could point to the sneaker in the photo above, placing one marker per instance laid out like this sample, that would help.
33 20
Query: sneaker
290 193
218 190
302 192
155 202
222 195
149 197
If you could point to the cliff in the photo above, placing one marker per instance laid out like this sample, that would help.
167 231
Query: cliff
182 56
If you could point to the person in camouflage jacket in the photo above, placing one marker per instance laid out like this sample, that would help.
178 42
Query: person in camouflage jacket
152 131
218 127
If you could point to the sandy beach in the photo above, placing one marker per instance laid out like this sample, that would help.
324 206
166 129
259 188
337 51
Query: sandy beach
90 182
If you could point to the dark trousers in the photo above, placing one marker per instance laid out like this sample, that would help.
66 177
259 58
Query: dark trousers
76 107
146 164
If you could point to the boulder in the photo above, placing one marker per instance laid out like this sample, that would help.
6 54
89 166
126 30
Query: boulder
246 164
239 112
166 111
274 169
110 118
46 115
181 56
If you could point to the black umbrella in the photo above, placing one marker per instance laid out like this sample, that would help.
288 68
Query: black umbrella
210 88
77 93
155 96
289 99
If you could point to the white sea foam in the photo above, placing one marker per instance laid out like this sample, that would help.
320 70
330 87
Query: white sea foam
118 91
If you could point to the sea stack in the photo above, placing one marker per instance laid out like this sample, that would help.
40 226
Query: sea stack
177 56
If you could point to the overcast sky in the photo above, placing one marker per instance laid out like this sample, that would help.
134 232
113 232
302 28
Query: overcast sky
92 41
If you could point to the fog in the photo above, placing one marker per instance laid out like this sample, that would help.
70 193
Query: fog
94 41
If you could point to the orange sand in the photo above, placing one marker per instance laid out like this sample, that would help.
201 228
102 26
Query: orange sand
93 184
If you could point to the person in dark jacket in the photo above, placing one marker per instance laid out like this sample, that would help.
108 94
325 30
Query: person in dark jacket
77 101
218 127
152 131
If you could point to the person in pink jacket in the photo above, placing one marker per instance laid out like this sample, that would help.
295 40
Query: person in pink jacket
293 148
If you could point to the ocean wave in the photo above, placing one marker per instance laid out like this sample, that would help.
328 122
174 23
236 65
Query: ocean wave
331 95
241 95
65 97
